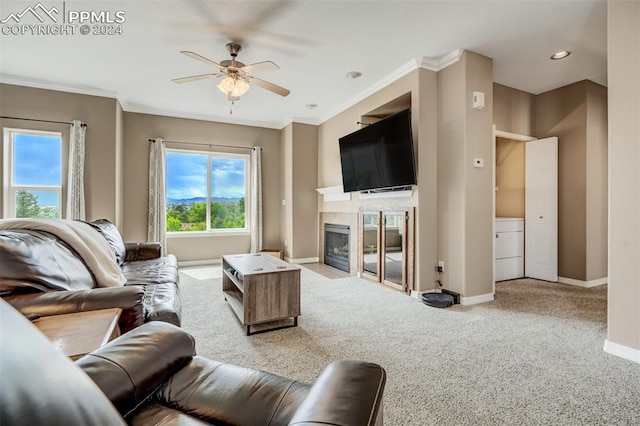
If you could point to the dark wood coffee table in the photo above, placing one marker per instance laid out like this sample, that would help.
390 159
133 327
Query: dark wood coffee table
79 333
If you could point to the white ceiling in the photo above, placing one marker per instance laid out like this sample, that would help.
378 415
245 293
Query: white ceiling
314 42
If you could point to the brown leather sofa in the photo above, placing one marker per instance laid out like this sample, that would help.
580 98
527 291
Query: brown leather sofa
40 273
150 376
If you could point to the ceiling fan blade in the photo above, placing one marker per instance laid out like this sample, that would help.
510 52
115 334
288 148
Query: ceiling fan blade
269 86
195 78
260 67
201 59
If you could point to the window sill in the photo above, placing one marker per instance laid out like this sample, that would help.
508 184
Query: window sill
206 234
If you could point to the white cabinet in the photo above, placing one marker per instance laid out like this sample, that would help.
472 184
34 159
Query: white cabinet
509 256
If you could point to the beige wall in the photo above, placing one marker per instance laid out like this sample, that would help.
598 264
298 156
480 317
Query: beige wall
577 115
597 181
425 111
510 183
623 39
513 110
300 173
563 113
304 196
479 181
119 218
99 113
451 175
138 128
465 210
286 191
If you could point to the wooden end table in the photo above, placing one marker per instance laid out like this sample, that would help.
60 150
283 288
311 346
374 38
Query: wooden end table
79 333
261 288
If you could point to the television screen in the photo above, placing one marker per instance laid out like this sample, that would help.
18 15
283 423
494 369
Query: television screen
379 155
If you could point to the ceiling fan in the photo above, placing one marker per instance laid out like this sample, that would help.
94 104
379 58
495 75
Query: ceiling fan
237 76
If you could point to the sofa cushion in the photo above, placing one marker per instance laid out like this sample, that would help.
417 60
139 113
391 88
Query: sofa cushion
162 303
110 233
151 271
38 260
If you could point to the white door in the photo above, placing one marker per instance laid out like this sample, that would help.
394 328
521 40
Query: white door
541 211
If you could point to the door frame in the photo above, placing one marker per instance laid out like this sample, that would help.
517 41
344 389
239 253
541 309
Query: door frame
505 135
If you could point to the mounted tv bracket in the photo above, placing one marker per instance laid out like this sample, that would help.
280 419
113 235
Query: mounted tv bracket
392 189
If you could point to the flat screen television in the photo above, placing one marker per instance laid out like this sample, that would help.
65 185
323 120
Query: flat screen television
379 156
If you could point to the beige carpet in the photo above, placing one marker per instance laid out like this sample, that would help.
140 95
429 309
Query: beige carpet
534 356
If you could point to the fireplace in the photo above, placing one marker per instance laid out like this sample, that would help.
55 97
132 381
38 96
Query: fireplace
336 246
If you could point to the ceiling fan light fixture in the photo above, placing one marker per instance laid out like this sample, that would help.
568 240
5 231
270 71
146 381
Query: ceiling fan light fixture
233 87
560 55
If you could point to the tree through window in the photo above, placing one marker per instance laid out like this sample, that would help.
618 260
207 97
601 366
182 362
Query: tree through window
206 191
34 170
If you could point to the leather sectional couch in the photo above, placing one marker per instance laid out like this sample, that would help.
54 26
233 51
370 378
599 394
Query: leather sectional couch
150 376
45 271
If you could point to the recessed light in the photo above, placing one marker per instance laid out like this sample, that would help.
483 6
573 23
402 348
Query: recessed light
352 75
561 54
312 106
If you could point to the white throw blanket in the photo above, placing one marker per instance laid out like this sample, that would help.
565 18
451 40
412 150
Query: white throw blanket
86 241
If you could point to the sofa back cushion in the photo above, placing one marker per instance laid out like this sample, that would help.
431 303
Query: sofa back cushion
38 260
110 233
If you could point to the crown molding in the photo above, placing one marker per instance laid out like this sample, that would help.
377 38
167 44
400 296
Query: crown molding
395 75
144 109
438 64
433 64
60 87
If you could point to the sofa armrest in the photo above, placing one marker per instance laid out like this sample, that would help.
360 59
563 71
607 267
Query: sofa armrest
346 393
226 394
132 367
142 251
129 298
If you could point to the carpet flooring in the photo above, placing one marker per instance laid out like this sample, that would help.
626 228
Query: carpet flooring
531 357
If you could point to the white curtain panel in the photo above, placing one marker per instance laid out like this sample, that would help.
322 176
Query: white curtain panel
75 177
157 228
256 199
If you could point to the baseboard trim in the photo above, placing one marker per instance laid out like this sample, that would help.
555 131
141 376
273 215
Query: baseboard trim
206 262
417 294
303 260
622 351
584 284
474 300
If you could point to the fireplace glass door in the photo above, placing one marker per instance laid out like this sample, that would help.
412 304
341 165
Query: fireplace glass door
371 242
386 246
394 244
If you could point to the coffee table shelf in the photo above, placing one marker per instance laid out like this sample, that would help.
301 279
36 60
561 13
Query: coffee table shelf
260 289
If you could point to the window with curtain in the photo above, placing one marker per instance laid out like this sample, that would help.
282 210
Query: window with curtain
33 174
207 192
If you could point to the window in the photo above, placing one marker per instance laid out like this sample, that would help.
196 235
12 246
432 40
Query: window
32 174
206 191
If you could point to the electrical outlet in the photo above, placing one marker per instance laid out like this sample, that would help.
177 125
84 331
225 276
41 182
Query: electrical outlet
440 265
285 243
